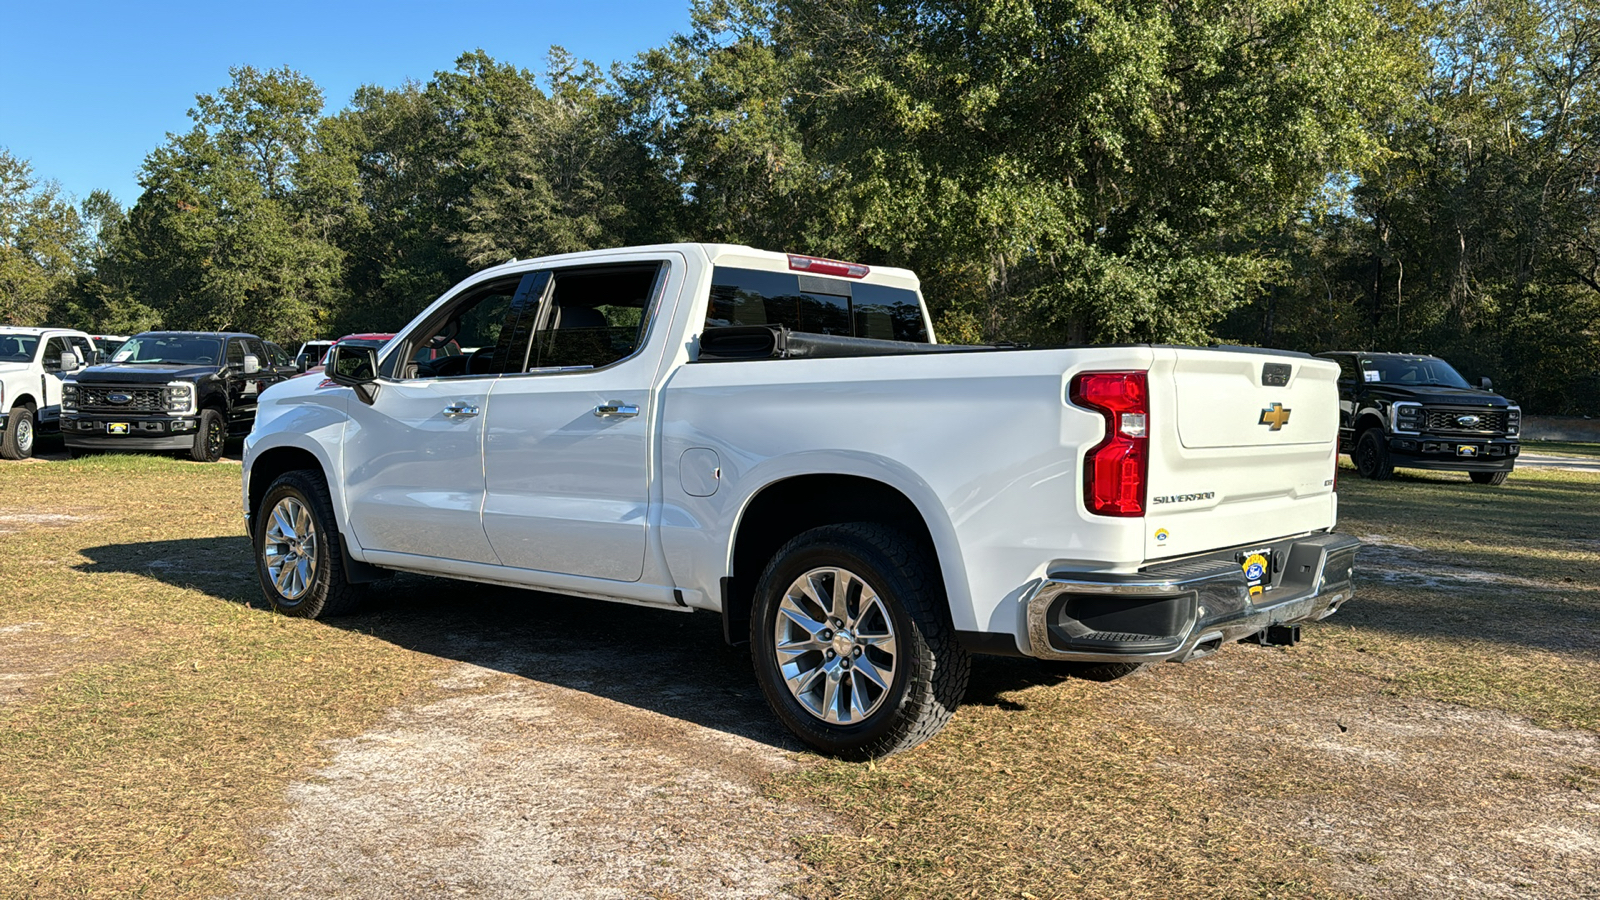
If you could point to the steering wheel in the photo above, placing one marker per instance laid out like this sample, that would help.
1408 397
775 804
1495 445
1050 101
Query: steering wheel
481 362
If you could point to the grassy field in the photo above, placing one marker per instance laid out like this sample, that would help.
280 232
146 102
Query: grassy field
152 714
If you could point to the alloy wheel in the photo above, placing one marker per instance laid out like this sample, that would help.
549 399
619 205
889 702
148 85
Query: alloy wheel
291 548
835 645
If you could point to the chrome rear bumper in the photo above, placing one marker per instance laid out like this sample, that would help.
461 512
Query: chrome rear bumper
1184 610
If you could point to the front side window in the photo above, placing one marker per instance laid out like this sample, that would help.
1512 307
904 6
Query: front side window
169 350
236 353
53 351
473 335
815 305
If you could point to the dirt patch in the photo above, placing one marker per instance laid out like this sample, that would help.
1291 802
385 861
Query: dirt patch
510 787
1399 797
1398 563
31 654
15 520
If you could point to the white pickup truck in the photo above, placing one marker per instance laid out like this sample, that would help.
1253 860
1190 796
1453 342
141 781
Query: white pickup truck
32 363
778 439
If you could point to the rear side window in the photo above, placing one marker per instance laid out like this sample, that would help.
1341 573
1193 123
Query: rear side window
814 305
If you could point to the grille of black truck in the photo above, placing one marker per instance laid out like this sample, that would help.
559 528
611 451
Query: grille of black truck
1467 421
140 399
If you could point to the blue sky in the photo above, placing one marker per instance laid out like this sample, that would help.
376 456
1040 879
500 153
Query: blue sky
87 89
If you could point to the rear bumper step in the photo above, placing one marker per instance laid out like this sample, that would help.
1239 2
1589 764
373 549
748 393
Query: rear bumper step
1188 609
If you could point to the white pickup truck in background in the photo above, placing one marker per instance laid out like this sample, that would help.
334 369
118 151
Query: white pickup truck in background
777 438
32 363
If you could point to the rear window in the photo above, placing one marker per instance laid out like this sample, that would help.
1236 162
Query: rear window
814 305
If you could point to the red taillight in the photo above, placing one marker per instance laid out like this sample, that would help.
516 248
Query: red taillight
1115 470
816 265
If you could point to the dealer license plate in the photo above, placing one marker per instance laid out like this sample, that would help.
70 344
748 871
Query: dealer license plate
1467 450
116 428
1257 566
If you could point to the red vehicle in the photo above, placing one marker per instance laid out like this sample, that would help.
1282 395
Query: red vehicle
424 354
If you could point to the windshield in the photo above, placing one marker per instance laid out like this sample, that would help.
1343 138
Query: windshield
18 347
1419 370
154 349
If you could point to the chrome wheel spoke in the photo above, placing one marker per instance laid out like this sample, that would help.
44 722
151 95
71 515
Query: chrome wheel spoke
867 670
794 614
839 607
830 700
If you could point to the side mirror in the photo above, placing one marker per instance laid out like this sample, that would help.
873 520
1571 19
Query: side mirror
1486 384
301 363
68 362
252 364
354 366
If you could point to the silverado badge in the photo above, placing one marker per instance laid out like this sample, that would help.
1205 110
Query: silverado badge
1276 416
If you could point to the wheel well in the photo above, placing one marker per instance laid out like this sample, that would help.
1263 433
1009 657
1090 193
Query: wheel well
786 508
1368 422
25 400
267 467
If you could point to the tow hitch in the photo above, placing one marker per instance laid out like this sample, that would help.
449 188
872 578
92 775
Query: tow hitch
1275 636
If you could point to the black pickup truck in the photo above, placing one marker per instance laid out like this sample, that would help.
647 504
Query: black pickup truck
170 390
1411 411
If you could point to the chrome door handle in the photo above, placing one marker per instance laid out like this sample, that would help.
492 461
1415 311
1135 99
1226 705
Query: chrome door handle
460 411
616 408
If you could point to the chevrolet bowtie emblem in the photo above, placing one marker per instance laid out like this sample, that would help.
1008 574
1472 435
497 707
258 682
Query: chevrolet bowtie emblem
1277 417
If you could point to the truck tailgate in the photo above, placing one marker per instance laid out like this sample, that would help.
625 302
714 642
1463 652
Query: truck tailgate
1244 448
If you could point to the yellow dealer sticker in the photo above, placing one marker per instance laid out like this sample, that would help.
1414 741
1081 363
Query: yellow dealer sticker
1255 572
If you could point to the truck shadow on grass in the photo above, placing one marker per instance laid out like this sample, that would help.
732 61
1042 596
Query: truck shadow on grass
664 661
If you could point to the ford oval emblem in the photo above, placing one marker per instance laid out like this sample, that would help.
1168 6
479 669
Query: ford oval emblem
1467 421
118 398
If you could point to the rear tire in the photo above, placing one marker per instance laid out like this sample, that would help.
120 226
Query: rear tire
852 643
210 438
1488 477
20 434
1372 456
299 558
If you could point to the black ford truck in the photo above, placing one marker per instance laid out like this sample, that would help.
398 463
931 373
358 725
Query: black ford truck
1411 411
170 390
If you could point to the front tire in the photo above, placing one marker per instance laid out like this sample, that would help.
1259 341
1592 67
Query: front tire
1488 477
210 437
299 559
852 643
21 429
1372 456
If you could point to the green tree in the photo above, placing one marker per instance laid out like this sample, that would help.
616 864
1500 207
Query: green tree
42 244
1056 171
1475 235
233 228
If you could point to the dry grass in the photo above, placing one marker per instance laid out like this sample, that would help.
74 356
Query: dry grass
159 717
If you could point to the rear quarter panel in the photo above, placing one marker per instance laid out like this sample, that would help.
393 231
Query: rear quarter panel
984 444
